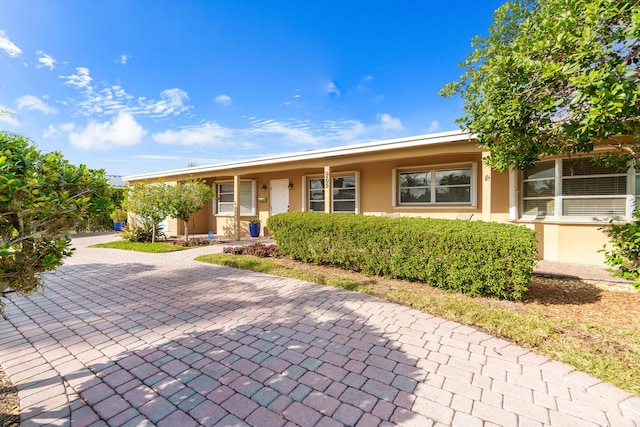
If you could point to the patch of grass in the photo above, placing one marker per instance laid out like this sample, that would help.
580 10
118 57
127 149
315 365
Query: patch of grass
529 330
615 358
607 353
272 266
155 248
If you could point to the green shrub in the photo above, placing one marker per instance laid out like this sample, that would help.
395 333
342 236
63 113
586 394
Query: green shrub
623 252
142 233
473 257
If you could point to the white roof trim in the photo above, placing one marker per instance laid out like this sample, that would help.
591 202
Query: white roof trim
390 144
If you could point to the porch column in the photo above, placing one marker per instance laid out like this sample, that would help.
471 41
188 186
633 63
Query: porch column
486 188
513 194
236 206
328 189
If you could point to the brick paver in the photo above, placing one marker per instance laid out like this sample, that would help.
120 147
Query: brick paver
123 338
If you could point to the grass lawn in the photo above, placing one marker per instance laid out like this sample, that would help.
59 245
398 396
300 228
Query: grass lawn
140 246
594 330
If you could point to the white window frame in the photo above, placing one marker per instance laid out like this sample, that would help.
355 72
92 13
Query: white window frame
307 192
356 205
432 203
306 195
558 197
216 202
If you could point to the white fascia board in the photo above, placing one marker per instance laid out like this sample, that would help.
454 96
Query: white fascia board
367 147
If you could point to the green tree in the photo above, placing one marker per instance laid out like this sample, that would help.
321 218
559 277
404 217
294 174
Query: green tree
623 251
554 77
42 197
188 198
150 202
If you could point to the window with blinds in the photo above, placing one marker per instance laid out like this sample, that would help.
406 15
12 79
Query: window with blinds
225 197
435 186
576 187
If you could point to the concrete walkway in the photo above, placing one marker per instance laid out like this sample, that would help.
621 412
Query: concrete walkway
130 339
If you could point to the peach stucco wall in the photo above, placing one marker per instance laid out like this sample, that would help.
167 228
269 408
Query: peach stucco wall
577 243
556 242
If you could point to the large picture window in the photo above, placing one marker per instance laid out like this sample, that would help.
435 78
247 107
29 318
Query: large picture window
435 186
577 187
225 197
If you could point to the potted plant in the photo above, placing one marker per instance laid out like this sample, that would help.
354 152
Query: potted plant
254 227
119 217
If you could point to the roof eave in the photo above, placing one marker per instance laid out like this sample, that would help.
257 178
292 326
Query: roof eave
407 142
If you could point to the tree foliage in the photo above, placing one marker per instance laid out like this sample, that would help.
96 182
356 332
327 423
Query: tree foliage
42 197
623 251
554 77
188 198
151 204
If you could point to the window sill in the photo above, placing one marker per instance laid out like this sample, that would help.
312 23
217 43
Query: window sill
435 207
567 221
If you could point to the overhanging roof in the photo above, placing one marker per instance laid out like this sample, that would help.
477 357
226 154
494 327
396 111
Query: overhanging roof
354 149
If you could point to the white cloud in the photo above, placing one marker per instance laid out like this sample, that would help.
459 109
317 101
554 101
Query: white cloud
7 45
355 131
67 127
155 157
123 130
51 132
80 80
110 100
333 90
297 132
210 134
433 126
123 59
45 60
30 103
223 100
172 101
8 116
364 82
388 123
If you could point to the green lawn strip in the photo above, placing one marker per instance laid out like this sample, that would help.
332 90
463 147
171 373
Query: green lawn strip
617 361
619 364
270 266
156 248
525 329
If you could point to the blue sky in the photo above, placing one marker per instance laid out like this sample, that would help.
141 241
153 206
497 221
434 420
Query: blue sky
142 86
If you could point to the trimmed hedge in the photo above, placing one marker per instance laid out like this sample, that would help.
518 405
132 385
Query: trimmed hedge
473 257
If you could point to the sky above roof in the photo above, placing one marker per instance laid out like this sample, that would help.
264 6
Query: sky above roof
142 86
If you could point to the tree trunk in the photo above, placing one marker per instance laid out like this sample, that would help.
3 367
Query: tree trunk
186 231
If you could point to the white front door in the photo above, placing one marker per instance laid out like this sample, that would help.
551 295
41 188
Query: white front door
279 196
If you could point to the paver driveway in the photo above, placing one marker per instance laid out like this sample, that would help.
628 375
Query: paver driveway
124 338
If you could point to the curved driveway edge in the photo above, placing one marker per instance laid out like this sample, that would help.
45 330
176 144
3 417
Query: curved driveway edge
129 339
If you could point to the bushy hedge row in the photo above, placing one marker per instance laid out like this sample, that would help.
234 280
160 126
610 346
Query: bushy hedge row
473 257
